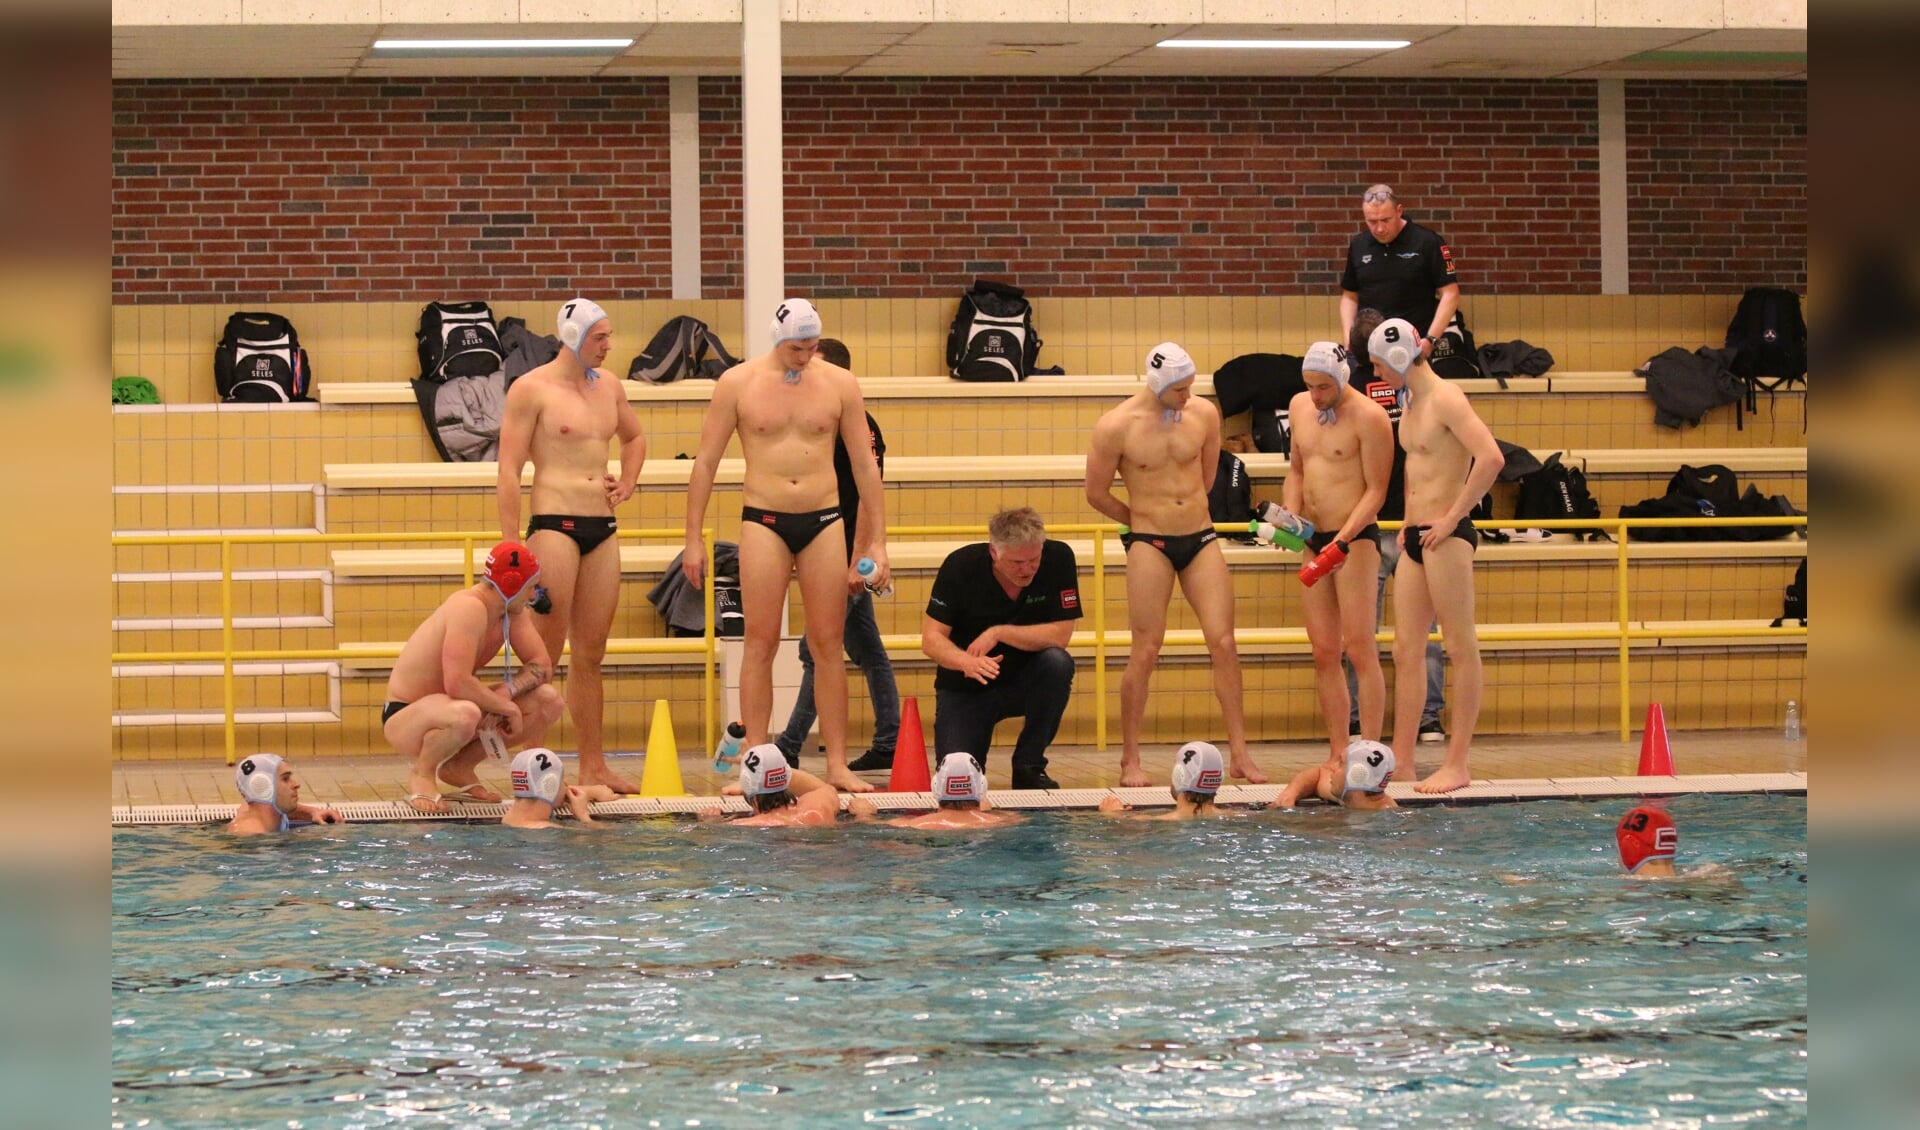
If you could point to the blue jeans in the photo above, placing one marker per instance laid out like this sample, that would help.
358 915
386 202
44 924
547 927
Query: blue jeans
1436 655
862 641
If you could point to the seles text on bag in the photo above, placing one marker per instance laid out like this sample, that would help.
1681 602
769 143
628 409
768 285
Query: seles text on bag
682 348
259 360
992 337
1454 356
458 339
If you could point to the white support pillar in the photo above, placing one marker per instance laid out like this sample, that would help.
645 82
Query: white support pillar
1613 185
683 160
762 169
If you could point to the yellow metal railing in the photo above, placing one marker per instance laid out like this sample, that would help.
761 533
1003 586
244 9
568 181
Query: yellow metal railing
706 647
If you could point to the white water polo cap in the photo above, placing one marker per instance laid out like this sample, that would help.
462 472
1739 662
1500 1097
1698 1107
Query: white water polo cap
576 321
1198 768
959 778
764 770
538 774
1369 767
258 778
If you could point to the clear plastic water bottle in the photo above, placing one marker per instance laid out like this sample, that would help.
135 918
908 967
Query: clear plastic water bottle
1793 721
1289 529
727 755
866 568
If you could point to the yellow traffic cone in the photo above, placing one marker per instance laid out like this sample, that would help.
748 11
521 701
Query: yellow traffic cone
661 775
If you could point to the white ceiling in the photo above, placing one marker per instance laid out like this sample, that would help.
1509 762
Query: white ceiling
949 48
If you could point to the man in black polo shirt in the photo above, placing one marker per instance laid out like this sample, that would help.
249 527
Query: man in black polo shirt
997 623
1400 268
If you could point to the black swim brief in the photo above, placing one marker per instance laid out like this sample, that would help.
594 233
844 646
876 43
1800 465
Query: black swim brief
587 533
1179 550
1321 539
1464 531
390 709
797 530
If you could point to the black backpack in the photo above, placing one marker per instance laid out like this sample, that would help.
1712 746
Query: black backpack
1710 491
1454 355
683 347
458 339
1557 491
1795 605
992 337
1769 337
1231 499
259 360
1264 385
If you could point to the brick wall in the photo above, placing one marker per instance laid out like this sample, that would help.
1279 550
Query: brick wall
243 191
376 191
1716 186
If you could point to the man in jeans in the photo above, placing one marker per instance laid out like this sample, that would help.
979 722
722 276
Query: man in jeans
862 635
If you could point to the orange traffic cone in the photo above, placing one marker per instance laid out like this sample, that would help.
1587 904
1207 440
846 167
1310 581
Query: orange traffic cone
1656 756
910 772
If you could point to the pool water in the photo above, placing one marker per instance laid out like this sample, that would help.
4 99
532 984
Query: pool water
1481 966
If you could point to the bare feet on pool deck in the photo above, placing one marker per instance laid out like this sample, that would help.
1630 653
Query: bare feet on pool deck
847 782
1131 775
610 779
1445 780
1245 770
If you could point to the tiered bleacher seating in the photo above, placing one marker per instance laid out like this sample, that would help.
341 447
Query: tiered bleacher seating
359 462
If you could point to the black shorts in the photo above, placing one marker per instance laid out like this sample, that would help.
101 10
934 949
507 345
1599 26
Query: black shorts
1179 550
1464 531
587 533
797 530
390 709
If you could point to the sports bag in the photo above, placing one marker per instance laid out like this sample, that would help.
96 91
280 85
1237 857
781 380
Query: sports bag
682 348
458 339
1231 499
1263 385
1769 337
1557 491
259 361
1454 355
992 337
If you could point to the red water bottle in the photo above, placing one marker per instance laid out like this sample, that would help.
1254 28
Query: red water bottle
1326 562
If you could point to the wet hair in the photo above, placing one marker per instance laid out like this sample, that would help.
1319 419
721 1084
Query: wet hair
1198 800
1364 323
770 802
834 352
1018 526
964 804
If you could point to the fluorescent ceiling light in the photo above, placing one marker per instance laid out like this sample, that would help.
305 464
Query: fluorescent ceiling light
1291 44
518 46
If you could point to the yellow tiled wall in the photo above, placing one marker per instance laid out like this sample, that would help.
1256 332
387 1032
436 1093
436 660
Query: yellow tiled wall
163 460
173 345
